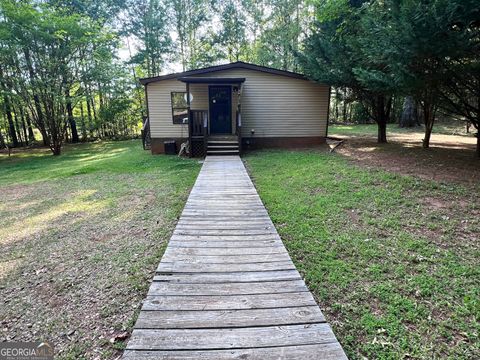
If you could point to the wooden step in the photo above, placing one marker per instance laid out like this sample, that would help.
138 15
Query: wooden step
222 152
222 147
228 142
223 137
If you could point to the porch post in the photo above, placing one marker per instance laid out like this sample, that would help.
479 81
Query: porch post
239 118
189 116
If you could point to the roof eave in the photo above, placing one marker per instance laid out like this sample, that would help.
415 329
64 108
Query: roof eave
238 64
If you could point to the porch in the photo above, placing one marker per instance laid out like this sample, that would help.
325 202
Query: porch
213 115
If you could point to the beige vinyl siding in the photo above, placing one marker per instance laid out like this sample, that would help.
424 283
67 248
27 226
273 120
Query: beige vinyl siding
272 105
160 109
200 96
280 106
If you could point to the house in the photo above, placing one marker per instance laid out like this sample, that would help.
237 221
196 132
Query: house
235 106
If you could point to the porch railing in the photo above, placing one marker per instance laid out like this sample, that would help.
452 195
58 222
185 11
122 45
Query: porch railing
198 132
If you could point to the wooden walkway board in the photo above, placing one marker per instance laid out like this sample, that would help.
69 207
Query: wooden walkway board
226 287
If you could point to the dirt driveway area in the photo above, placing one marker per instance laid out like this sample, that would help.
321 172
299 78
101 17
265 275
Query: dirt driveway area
451 158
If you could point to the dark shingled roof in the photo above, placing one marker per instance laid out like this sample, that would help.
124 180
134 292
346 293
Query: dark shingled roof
210 69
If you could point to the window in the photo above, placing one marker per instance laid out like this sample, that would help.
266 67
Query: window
179 107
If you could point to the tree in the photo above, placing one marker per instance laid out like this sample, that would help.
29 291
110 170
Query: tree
460 91
335 54
147 21
232 37
54 41
188 16
411 48
281 36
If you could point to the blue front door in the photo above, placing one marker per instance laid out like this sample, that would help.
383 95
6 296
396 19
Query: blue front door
220 98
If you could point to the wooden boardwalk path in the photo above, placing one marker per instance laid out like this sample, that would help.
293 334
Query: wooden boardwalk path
226 287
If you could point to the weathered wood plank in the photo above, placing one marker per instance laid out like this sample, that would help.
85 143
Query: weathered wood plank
238 277
223 237
225 244
231 221
176 339
329 351
224 227
219 302
231 289
219 259
239 232
228 251
188 319
224 267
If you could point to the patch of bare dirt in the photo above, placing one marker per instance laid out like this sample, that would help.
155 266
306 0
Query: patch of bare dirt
450 158
435 203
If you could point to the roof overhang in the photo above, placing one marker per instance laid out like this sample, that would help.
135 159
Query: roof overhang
211 80
213 69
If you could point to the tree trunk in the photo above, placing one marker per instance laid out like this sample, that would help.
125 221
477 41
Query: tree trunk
336 104
27 126
11 125
18 126
31 134
24 127
83 127
2 141
89 116
429 119
407 119
36 100
56 149
382 133
382 116
45 138
71 120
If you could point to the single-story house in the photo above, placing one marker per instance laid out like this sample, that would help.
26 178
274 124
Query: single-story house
235 106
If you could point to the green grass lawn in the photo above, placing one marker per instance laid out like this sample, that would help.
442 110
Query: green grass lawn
445 128
393 260
81 235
